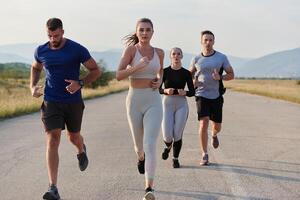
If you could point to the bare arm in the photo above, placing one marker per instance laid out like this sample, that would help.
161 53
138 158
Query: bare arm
123 72
94 73
161 55
157 82
191 87
192 69
229 74
36 69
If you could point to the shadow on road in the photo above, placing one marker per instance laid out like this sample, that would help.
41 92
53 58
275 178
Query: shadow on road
245 170
203 195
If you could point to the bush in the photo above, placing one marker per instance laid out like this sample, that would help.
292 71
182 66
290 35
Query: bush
103 80
14 70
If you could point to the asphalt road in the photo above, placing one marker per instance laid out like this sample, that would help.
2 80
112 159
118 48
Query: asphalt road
258 157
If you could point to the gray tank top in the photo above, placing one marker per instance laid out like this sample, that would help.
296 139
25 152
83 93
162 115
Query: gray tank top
148 72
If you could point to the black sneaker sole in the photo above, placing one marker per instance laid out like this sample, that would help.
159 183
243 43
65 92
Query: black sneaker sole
49 196
165 154
204 163
215 142
85 165
176 166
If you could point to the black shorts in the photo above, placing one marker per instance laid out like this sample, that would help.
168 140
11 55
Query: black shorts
211 108
57 115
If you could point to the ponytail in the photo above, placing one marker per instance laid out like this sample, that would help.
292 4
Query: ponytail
132 39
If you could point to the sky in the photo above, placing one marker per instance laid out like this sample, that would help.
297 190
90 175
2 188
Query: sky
243 28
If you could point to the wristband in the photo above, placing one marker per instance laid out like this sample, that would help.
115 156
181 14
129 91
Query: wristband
81 83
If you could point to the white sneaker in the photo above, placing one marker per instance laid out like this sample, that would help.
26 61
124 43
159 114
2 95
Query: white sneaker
149 195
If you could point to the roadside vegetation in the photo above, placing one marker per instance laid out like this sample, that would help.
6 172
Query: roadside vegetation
284 89
16 99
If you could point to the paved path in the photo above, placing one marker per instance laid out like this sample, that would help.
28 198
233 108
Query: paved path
258 158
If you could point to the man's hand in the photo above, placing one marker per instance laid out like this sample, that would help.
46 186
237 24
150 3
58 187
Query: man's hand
216 76
36 91
73 86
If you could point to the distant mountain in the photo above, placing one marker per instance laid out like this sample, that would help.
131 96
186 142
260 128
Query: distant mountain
280 64
21 51
284 64
8 58
112 58
24 53
236 62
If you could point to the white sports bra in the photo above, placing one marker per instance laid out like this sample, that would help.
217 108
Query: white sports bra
148 72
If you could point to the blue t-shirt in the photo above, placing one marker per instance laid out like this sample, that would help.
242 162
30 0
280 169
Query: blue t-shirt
205 65
61 64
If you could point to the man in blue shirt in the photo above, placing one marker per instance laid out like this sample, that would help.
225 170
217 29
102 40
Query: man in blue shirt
63 105
207 68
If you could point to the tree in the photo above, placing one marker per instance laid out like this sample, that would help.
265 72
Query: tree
104 79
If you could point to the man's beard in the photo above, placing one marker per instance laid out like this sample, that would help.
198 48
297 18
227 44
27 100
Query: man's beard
56 44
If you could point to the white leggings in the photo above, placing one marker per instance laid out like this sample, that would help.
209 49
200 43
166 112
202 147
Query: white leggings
144 113
175 109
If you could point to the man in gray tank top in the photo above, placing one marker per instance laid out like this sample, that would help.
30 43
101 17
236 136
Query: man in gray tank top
207 68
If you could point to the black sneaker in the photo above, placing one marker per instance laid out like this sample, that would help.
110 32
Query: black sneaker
141 166
204 160
52 193
165 154
149 194
215 141
83 160
176 163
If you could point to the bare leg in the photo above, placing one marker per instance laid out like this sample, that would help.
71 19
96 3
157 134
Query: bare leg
149 183
216 128
203 130
52 157
77 140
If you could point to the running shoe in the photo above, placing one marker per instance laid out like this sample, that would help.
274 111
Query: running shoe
204 160
52 193
83 160
215 141
149 194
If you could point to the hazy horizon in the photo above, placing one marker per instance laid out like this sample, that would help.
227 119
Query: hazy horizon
247 29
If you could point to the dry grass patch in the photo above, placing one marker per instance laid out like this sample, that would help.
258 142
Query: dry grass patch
16 99
288 90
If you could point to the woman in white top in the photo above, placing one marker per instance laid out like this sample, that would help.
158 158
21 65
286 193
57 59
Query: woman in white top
143 64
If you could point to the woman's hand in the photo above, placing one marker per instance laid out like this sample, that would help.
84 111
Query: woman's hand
143 62
155 83
181 92
169 91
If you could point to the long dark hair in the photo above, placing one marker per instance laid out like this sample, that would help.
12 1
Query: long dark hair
132 39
